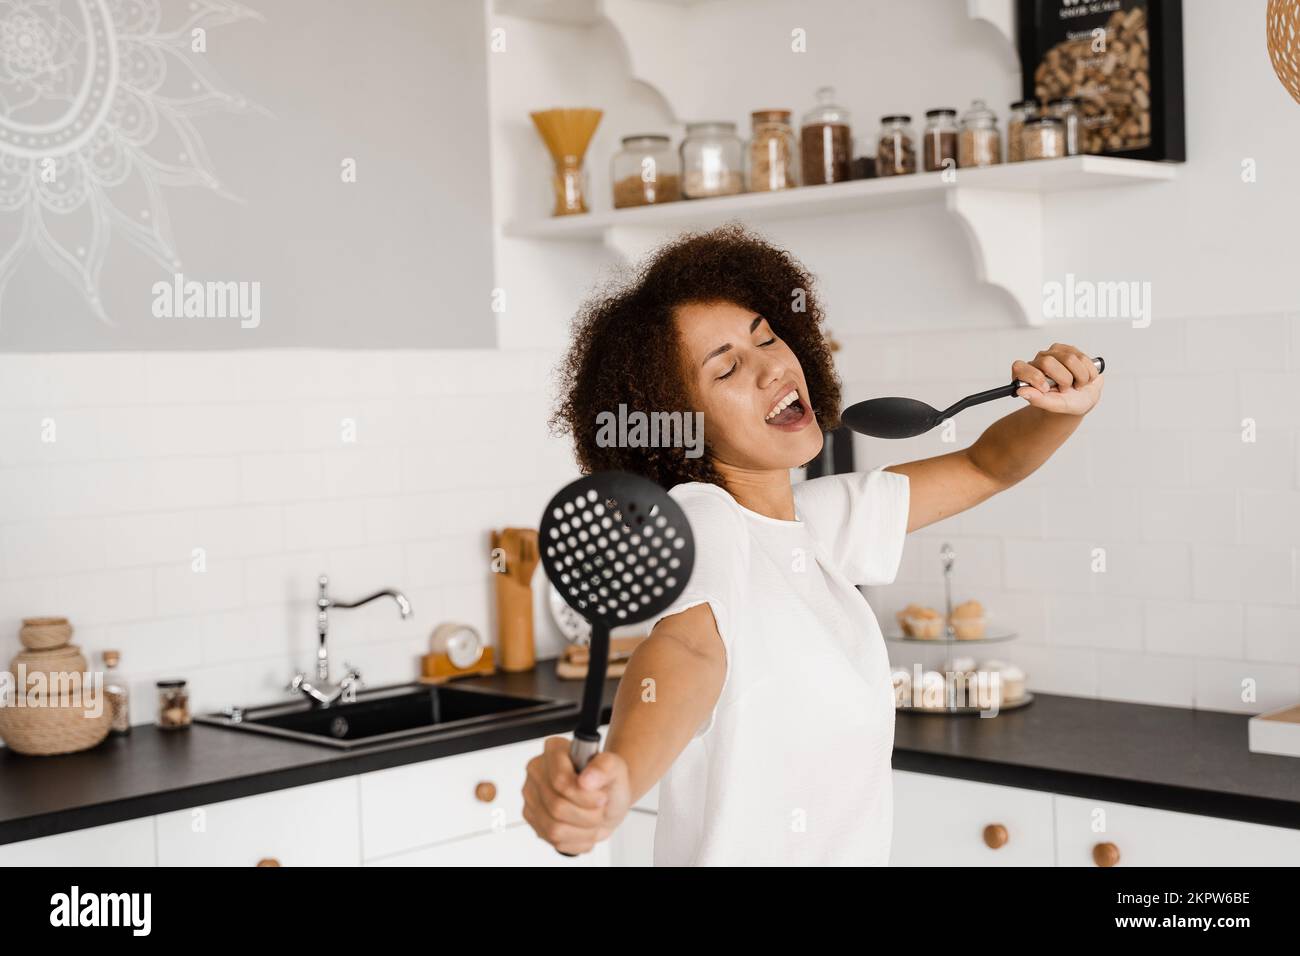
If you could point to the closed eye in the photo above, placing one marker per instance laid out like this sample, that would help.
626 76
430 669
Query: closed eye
733 368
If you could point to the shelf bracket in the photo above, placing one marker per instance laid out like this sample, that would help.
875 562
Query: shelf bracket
1005 231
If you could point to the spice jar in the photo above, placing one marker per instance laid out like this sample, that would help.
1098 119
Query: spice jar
939 142
1021 111
773 159
826 143
896 148
1044 138
173 704
979 143
118 694
711 161
645 171
1066 109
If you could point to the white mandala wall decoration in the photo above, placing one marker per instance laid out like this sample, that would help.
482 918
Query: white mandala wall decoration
98 100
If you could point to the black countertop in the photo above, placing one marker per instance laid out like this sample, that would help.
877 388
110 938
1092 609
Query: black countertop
1164 757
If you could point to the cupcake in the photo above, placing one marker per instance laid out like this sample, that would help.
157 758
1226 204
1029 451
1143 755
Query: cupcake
968 621
921 622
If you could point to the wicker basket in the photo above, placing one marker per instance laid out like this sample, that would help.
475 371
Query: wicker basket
66 660
44 633
62 729
1283 19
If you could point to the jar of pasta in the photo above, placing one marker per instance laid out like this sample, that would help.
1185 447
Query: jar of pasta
645 171
979 143
773 158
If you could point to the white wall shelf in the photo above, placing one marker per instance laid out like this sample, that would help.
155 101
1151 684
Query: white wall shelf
1000 208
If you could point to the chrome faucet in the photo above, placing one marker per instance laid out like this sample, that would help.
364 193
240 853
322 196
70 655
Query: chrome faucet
325 692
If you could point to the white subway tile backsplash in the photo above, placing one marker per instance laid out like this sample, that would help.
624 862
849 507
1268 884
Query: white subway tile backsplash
1270 518
1194 628
1146 678
1144 569
1138 459
1243 573
1269 398
1273 634
1051 565
196 587
1094 620
105 597
1205 402
1176 515
1248 343
1223 460
1245 687
319 525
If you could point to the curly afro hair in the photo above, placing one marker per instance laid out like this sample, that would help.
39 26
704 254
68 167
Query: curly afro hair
625 346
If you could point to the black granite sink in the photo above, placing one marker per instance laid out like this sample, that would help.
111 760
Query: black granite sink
400 712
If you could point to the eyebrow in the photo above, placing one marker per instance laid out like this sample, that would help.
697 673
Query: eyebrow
727 348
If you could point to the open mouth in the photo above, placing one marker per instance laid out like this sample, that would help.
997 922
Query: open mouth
790 412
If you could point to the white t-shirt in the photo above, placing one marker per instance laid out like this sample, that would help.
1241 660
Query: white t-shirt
793 765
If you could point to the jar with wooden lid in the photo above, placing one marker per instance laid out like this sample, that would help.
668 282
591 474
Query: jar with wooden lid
712 164
173 704
1021 111
939 141
826 142
1044 138
1066 109
979 143
773 159
645 171
896 146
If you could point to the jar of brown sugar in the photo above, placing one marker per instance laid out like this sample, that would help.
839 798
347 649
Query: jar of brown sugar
773 160
939 142
645 171
826 143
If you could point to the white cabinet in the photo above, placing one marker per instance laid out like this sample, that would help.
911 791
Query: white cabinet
511 846
314 825
418 805
940 821
1088 830
129 843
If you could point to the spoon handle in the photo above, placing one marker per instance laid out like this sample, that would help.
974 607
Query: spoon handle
1099 362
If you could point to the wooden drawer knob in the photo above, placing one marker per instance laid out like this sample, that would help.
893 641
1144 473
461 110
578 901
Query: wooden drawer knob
1105 854
486 791
268 861
995 836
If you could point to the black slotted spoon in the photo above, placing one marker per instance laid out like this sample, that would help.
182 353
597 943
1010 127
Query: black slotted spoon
907 417
619 550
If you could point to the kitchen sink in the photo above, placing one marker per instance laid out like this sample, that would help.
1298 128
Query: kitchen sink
399 712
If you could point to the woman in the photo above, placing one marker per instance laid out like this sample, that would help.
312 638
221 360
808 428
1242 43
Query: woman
761 702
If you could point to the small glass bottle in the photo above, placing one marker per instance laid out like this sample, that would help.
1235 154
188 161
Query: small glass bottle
896 148
940 140
825 141
773 156
979 143
646 171
711 161
1066 109
1044 138
118 694
1021 112
173 704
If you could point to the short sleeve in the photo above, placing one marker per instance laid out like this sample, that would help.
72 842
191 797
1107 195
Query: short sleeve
720 569
860 520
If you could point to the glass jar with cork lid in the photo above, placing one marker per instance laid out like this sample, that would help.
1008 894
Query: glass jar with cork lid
826 142
646 171
979 142
773 159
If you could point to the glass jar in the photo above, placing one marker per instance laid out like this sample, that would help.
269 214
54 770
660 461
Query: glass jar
1044 138
826 143
979 143
118 694
1066 109
1021 112
773 158
645 171
173 704
939 142
711 161
896 147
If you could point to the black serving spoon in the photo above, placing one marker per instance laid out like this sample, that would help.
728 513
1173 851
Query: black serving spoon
907 417
620 551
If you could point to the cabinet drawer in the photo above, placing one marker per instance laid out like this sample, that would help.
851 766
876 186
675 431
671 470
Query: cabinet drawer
939 821
129 843
512 846
315 825
403 808
1146 837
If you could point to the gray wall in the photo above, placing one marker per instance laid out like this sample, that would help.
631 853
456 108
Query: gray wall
401 257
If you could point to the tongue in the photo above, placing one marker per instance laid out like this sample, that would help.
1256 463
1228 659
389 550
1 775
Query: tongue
788 415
